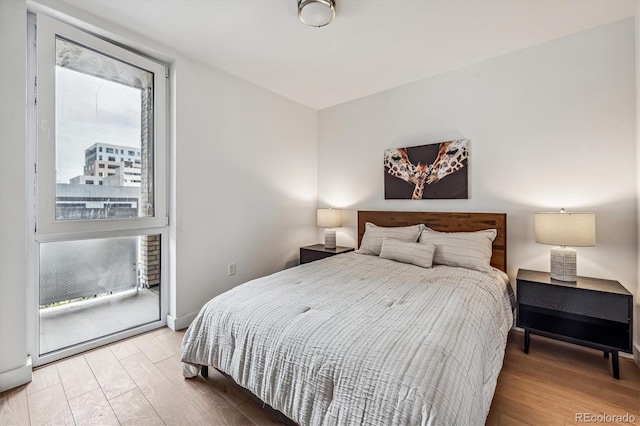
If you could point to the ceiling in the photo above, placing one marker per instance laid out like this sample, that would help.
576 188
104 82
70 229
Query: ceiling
372 45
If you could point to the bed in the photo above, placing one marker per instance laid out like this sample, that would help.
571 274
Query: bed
360 339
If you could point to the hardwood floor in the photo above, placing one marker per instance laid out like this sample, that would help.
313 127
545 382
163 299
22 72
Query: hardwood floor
133 382
139 382
556 381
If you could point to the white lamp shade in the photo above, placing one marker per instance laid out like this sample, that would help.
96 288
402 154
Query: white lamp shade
566 229
329 218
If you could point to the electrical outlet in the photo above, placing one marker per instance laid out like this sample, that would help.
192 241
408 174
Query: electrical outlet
231 269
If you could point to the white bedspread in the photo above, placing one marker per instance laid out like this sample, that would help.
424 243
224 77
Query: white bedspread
360 340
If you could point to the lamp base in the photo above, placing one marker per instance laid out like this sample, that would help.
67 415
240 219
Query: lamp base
563 264
330 238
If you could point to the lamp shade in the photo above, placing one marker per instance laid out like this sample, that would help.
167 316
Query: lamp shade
566 229
329 218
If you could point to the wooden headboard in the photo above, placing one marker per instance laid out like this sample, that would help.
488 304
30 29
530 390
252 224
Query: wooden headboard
445 222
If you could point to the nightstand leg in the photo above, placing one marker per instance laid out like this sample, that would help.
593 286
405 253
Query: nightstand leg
606 354
616 365
526 341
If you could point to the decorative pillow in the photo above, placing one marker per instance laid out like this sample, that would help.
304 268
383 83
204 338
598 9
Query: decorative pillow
407 252
373 234
471 250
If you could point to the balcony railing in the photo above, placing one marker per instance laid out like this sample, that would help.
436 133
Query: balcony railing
77 269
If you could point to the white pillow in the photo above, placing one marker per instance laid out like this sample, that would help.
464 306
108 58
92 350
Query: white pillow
373 234
407 252
471 250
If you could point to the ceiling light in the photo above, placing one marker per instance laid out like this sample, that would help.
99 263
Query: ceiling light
316 13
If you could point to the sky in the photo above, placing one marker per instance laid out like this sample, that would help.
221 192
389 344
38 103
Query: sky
89 110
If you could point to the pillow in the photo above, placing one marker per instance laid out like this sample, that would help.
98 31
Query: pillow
471 250
407 252
373 234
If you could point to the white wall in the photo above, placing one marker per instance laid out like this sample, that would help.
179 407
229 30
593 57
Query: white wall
551 126
14 368
246 190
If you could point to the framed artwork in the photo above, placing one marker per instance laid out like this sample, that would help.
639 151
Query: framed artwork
435 171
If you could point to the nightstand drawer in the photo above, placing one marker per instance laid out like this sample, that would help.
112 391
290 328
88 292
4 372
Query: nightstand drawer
608 306
319 251
307 256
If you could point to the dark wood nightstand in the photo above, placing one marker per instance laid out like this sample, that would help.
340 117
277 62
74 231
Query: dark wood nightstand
590 312
317 251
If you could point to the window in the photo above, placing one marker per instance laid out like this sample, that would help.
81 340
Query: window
99 157
104 240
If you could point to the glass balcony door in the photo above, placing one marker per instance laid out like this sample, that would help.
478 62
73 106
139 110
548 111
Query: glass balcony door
101 218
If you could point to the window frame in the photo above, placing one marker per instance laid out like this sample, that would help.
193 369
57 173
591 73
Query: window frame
38 19
47 227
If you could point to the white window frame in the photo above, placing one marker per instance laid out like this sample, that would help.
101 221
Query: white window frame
46 224
41 133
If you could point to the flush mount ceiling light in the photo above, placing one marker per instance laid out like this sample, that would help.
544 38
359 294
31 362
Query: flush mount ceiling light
316 13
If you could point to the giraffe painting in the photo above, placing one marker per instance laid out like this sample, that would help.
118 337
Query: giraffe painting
419 172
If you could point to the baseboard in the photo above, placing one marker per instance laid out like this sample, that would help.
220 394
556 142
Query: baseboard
16 377
180 322
636 354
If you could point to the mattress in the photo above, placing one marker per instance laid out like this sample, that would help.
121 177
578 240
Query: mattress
359 340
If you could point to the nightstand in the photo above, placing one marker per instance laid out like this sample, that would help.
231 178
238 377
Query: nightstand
590 312
317 251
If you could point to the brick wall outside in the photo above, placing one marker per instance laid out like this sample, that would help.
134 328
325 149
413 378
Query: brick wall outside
149 260
149 254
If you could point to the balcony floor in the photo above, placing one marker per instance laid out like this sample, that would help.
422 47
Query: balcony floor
77 322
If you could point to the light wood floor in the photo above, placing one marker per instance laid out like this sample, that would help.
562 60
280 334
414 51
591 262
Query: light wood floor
138 382
556 380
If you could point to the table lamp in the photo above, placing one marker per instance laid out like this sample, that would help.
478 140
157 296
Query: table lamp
329 218
565 229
